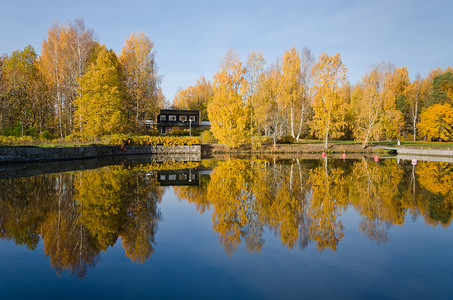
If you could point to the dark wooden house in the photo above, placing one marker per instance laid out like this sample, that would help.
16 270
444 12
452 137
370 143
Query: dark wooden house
170 118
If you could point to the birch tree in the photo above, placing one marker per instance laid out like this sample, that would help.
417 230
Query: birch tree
137 59
254 72
329 74
227 110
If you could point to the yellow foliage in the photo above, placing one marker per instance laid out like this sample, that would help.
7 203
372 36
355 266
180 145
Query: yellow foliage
328 197
436 123
329 108
227 110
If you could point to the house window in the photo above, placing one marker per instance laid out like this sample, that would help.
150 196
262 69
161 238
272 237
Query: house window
172 118
183 118
192 118
162 177
172 177
163 117
182 177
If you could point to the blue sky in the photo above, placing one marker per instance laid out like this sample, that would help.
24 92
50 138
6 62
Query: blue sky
191 37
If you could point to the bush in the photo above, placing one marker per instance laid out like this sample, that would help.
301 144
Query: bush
121 139
16 131
46 135
287 139
207 137
267 140
153 132
198 131
179 132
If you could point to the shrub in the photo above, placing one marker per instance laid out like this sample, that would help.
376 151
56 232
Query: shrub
179 132
121 139
16 131
153 132
267 140
207 137
287 139
46 135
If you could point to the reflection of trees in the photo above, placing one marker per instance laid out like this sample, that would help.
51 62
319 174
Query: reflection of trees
373 190
280 190
66 241
235 213
195 194
116 202
80 214
437 182
248 194
23 203
141 218
328 196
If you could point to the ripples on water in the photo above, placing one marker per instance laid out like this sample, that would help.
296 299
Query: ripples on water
226 228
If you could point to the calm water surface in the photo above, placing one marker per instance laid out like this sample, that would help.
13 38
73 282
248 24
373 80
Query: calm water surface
242 228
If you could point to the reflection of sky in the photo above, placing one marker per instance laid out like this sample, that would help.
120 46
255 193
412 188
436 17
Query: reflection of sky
188 262
191 37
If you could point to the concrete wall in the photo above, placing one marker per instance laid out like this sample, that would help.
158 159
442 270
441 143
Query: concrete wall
30 154
427 151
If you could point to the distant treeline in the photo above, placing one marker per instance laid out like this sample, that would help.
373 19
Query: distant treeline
77 85
299 96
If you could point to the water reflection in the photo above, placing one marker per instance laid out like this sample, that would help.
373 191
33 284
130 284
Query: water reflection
80 214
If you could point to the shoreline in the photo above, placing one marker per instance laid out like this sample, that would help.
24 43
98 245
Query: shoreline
12 155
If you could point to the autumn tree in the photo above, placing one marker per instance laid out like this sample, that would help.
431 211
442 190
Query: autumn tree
195 97
64 58
375 108
227 110
290 88
416 98
24 92
270 114
101 109
254 73
305 97
436 122
329 74
142 82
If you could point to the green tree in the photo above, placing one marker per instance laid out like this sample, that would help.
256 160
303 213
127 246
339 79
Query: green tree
23 92
442 88
100 109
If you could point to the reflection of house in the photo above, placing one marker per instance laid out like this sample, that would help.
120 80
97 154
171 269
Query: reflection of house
178 177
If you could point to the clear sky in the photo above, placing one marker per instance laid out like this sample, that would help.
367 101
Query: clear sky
191 37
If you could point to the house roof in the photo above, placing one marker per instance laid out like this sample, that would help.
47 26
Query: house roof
179 112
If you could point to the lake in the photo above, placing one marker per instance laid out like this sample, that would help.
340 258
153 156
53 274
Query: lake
227 228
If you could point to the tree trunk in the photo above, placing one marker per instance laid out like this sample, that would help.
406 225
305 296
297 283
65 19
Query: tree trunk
326 140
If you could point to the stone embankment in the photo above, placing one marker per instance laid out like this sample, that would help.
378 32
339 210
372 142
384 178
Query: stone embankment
425 152
37 154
